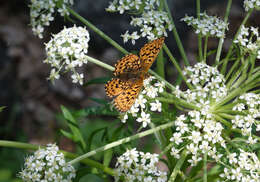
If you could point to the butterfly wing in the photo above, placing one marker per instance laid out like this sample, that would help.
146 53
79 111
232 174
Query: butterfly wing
128 64
116 86
149 52
126 99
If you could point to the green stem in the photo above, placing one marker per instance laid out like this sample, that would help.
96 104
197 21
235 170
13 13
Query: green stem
232 69
205 167
223 69
170 86
100 63
176 35
26 146
178 102
160 65
173 60
122 141
178 166
205 48
226 99
221 41
199 35
99 32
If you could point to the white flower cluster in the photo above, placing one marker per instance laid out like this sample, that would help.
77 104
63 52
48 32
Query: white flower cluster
249 40
151 90
41 13
199 128
250 4
242 166
249 104
208 83
153 23
138 166
207 25
47 165
66 51
202 132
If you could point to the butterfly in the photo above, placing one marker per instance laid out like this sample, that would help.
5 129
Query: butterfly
130 72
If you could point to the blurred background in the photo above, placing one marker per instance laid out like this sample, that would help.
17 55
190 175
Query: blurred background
32 112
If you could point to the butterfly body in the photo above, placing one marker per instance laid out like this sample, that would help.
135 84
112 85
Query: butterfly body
130 71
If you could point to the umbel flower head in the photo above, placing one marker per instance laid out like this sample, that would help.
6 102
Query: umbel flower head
138 166
207 25
41 12
153 23
249 40
251 4
47 164
202 131
67 51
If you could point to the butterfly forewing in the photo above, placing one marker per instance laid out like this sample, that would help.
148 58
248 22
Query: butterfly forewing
128 64
149 52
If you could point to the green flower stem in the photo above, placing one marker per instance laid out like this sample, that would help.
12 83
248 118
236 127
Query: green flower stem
122 141
219 118
99 32
100 63
223 69
166 149
26 146
176 35
157 135
235 76
205 167
229 97
221 41
170 86
178 166
163 143
160 65
199 35
232 69
178 102
252 61
205 48
176 65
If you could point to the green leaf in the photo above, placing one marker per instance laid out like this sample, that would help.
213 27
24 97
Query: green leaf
67 134
73 125
92 135
100 80
91 178
2 108
107 157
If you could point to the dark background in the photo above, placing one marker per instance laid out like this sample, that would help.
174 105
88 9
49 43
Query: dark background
33 103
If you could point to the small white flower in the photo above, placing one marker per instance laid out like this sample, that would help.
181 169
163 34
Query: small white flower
145 119
156 106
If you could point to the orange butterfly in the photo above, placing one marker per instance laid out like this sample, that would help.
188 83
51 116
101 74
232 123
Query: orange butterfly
130 72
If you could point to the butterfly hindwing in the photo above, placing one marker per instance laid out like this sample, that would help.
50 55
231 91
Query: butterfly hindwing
124 101
116 86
